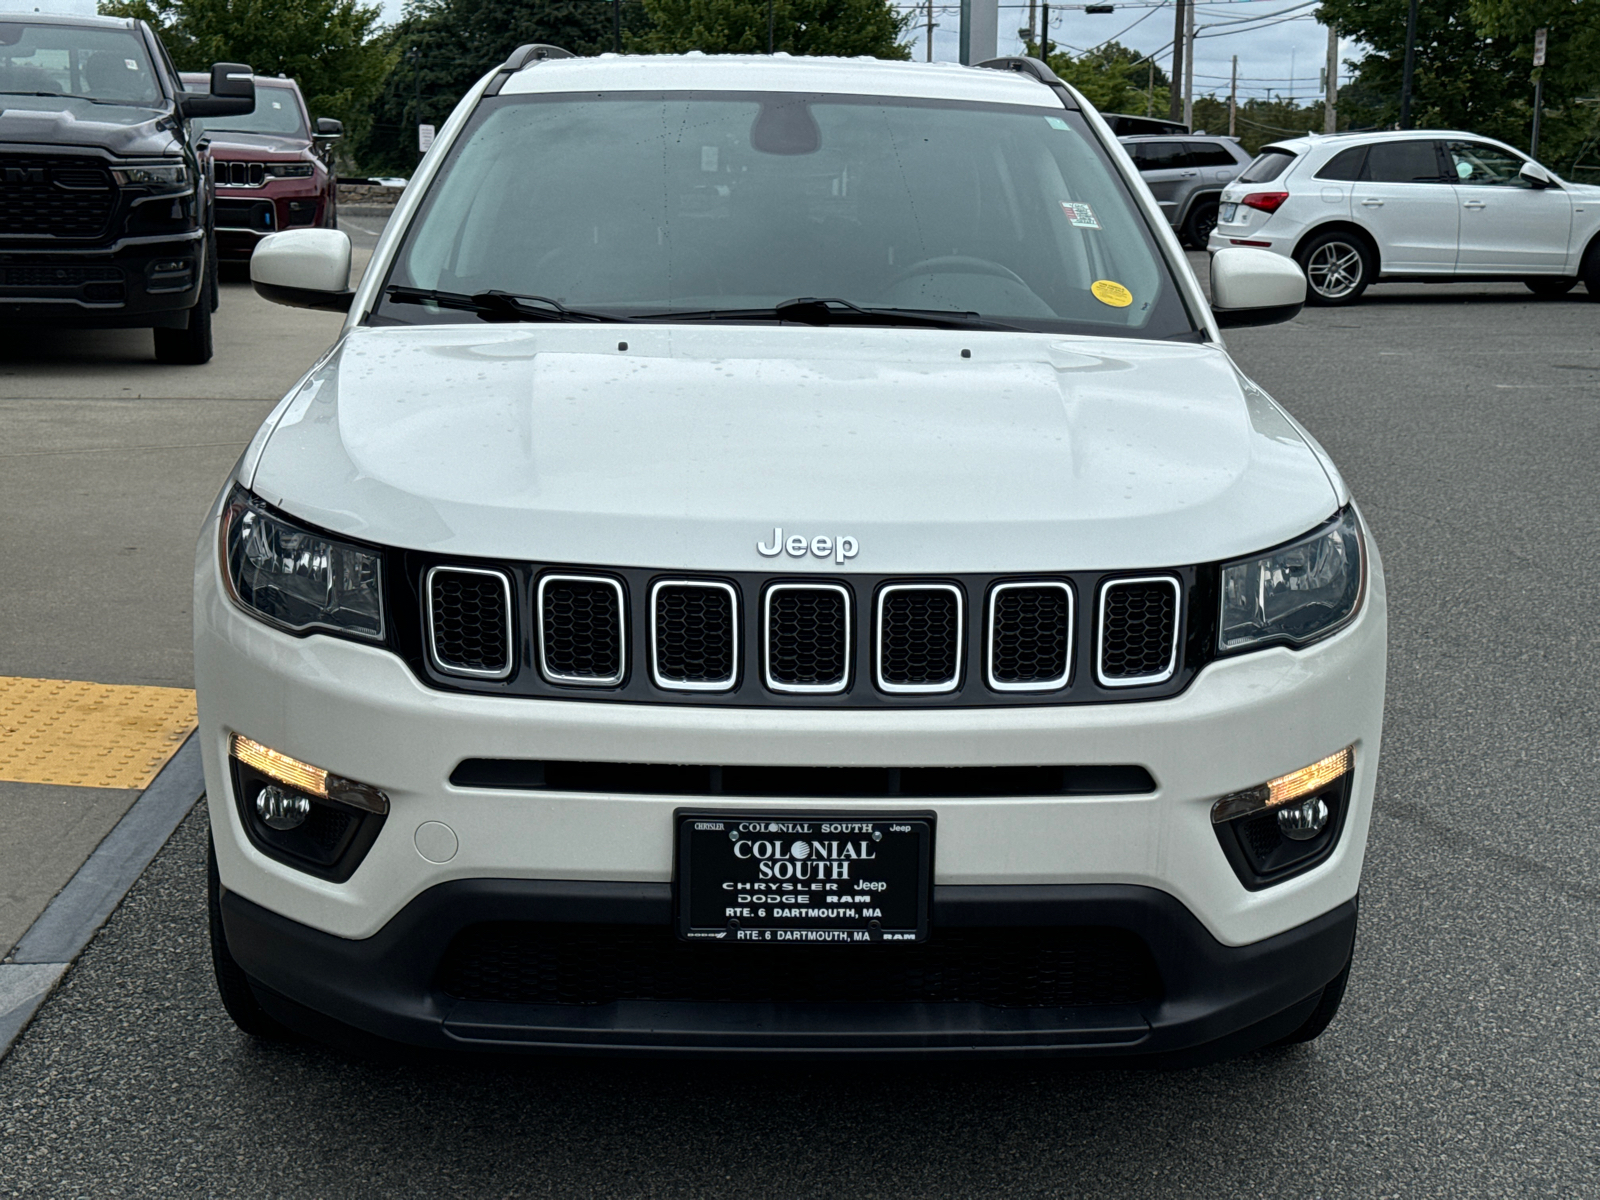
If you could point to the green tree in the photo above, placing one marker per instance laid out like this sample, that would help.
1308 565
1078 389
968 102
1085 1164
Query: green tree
327 46
456 43
842 27
1113 78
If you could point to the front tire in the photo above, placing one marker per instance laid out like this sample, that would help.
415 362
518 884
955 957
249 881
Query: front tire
191 345
1590 271
1339 266
233 985
1202 219
1550 285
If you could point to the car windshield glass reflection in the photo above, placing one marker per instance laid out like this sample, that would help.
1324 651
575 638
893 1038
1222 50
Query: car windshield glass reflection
705 206
276 111
106 66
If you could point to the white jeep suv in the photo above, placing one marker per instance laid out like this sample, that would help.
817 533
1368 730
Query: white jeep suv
780 560
1413 206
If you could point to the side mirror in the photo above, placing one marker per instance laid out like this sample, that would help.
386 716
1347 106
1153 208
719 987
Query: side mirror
304 268
327 127
1536 175
233 93
1253 287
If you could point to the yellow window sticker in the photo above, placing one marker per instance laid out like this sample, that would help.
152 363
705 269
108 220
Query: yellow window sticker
1110 293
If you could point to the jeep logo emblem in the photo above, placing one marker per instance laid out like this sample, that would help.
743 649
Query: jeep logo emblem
798 546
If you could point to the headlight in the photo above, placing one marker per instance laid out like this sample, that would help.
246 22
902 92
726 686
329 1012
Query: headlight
280 170
298 579
165 176
1295 594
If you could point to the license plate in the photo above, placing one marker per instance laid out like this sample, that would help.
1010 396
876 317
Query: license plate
804 879
1227 211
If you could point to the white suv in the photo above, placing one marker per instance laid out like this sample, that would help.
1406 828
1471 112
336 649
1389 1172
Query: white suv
780 560
1414 206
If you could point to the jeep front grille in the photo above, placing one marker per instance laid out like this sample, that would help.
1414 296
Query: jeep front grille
807 637
756 638
469 622
696 634
1138 631
1030 636
581 638
239 174
919 637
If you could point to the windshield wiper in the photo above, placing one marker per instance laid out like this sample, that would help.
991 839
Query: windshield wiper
499 306
813 310
74 96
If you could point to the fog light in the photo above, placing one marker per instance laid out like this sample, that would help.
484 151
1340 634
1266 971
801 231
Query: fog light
279 809
1302 822
1285 789
304 777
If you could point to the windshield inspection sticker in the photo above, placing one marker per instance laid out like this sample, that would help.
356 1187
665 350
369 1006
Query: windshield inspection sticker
1080 214
1110 293
1058 123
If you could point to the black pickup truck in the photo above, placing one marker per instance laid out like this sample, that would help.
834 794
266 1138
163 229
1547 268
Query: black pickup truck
105 191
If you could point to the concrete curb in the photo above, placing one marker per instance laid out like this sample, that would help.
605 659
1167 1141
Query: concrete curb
61 932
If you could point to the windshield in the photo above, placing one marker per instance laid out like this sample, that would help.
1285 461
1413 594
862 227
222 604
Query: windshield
277 111
648 205
106 65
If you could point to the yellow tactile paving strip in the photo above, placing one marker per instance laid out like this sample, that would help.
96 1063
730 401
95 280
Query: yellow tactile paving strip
89 734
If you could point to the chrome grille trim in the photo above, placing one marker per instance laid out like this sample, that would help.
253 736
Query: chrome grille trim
693 685
809 689
958 657
621 631
1035 685
437 660
239 174
1100 632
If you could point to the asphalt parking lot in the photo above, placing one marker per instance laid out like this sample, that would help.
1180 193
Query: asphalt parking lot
1466 1059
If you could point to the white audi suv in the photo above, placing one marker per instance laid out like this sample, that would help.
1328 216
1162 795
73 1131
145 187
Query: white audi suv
1413 206
780 560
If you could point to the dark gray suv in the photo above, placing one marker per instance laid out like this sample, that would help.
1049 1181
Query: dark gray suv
1186 174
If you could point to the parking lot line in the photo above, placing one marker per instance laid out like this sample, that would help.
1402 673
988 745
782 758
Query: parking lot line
95 735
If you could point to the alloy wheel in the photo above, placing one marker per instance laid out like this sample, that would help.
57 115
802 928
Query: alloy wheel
1335 269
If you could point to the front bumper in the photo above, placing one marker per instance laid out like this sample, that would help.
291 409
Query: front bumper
246 215
1214 1001
129 283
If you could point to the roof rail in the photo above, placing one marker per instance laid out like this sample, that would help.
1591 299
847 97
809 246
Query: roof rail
533 52
1034 69
521 57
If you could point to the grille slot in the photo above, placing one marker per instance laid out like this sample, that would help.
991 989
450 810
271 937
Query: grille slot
469 622
1039 967
807 637
695 634
54 197
1138 631
1030 636
919 637
581 630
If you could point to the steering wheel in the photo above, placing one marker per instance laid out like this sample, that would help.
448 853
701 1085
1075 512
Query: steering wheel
958 264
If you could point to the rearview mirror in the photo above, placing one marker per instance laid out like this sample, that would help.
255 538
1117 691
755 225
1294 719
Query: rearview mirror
304 268
233 93
327 127
1254 287
1536 175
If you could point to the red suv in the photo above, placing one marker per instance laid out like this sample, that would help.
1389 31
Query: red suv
273 168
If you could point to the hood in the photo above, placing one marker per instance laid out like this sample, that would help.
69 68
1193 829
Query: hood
128 131
551 444
226 144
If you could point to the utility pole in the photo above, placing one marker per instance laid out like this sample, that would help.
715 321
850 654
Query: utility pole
770 27
1410 66
616 26
1540 41
1188 70
1150 91
1033 21
1233 100
415 55
1330 98
930 30
1175 103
